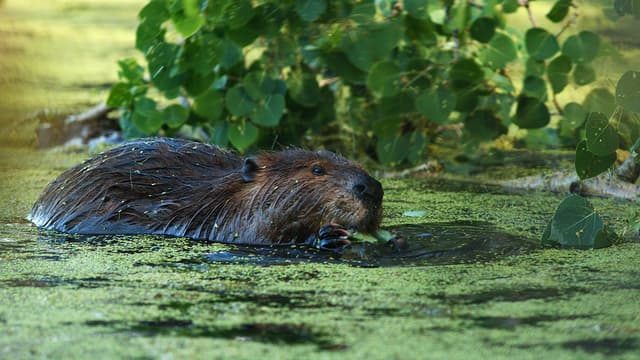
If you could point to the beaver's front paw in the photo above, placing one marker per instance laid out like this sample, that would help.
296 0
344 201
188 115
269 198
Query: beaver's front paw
332 237
398 243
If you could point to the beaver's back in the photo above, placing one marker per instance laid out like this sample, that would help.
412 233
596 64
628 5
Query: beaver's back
141 187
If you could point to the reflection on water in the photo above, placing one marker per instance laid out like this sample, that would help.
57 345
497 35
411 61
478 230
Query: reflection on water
428 244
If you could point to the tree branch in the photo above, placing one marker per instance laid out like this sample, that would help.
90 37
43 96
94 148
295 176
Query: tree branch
525 4
571 21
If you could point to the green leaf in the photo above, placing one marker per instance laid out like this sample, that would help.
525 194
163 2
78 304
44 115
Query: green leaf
190 7
242 135
238 101
436 104
267 20
465 73
131 71
371 43
540 44
148 34
459 16
188 26
209 105
390 107
392 149
600 100
535 87
231 54
363 12
284 51
195 83
258 85
269 112
128 128
583 74
602 138
628 91
534 67
467 99
384 126
482 29
416 8
384 79
500 104
575 115
558 73
175 115
576 224
310 10
582 48
559 10
338 62
149 30
624 7
500 51
120 95
437 15
417 147
510 6
502 83
414 213
483 125
243 36
146 118
144 106
155 12
588 164
237 13
220 134
421 31
304 89
531 113
202 53
161 58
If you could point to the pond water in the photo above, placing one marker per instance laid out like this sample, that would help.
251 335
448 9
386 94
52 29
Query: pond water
428 244
472 281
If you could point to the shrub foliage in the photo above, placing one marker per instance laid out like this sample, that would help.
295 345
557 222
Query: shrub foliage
382 77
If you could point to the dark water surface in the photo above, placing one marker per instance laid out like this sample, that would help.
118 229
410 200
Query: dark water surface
429 244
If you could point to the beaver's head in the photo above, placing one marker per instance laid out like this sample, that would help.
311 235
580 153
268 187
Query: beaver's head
315 189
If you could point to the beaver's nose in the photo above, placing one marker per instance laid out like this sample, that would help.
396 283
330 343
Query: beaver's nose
368 188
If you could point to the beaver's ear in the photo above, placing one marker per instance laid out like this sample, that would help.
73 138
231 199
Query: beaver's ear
249 169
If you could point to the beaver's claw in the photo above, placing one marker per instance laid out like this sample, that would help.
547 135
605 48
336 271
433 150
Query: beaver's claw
332 237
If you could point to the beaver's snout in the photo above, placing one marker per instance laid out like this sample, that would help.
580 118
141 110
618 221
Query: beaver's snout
368 189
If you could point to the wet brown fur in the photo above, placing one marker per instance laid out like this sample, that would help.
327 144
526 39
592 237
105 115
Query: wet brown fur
183 188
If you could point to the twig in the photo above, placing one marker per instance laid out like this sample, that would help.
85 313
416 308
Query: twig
525 4
92 114
571 21
629 170
476 5
557 105
431 167
454 34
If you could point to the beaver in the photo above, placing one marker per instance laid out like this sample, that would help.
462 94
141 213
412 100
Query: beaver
176 187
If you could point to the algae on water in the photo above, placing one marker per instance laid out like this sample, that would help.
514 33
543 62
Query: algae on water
143 296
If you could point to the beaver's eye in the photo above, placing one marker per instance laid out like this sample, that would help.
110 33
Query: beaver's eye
317 170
